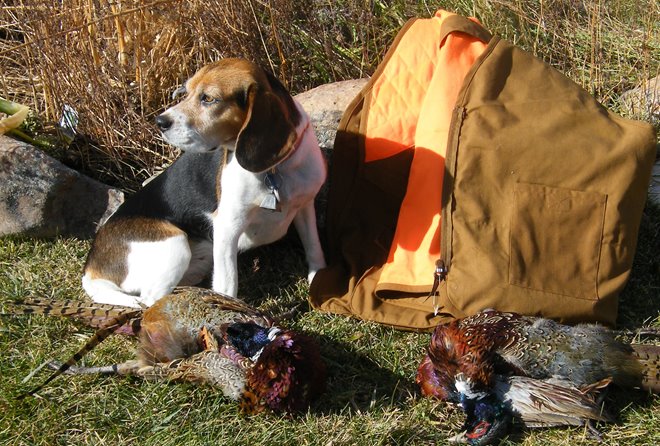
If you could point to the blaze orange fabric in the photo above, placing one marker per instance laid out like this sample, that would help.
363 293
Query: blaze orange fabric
411 105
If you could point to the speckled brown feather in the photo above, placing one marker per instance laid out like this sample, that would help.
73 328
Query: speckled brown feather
497 365
167 331
182 338
541 348
545 403
649 357
494 342
91 314
170 328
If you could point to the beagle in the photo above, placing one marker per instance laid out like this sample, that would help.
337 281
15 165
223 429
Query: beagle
250 166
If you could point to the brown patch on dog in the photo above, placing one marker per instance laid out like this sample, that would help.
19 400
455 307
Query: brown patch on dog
107 258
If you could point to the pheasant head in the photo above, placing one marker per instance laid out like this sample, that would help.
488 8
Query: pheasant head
455 365
488 420
249 339
288 372
431 384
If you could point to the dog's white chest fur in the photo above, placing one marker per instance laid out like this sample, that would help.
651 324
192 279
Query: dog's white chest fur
243 192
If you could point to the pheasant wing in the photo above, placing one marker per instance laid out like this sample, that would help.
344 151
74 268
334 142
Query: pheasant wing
551 402
219 300
207 367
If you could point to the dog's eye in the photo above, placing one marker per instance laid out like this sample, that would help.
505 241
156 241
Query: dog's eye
207 100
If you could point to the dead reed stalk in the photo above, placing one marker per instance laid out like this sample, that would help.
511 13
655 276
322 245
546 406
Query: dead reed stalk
117 62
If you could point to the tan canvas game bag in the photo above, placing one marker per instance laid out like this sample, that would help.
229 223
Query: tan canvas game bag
466 149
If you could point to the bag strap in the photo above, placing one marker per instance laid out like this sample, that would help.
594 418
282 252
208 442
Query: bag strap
458 23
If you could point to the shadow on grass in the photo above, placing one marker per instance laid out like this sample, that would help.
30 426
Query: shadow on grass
639 303
357 383
618 400
271 269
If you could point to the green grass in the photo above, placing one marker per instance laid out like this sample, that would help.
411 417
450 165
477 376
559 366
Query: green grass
371 397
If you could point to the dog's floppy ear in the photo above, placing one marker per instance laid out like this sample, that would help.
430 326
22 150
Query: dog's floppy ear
267 135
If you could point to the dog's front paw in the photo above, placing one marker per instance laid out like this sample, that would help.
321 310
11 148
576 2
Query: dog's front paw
222 287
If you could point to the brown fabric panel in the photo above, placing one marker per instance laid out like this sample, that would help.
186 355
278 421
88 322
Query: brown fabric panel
543 176
459 23
363 205
406 313
348 160
364 236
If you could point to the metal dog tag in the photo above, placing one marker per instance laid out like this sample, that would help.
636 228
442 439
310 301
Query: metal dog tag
272 200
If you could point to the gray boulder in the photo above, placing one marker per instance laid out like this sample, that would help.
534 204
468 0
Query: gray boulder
654 186
41 197
325 105
644 101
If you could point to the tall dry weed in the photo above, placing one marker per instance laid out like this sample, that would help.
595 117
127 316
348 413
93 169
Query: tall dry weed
117 62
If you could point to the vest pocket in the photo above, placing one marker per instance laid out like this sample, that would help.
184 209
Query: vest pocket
555 240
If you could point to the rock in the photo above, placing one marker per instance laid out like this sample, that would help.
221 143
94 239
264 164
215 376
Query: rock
41 197
644 101
325 106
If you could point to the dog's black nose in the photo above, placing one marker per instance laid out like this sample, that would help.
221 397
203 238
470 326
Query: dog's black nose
163 122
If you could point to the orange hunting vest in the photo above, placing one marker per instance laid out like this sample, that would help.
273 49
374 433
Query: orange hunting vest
464 148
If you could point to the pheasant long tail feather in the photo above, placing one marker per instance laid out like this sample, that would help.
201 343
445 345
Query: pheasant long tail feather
92 314
649 357
130 367
193 369
207 367
98 337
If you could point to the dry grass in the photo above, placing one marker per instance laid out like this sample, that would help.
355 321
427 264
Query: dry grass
117 62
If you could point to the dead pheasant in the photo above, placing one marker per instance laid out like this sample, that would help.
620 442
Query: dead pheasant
201 336
492 363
